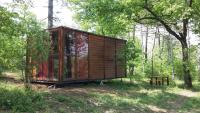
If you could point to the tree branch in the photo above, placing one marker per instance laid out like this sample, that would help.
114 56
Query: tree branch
139 20
167 27
186 21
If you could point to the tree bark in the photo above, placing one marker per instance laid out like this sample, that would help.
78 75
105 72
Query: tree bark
146 43
142 46
172 56
186 70
27 70
152 59
28 64
50 14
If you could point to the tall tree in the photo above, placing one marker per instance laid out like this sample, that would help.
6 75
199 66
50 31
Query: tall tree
50 13
173 15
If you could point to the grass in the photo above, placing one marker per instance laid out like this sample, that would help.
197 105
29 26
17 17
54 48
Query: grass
113 97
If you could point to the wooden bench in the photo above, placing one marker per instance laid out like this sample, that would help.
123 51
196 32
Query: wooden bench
159 80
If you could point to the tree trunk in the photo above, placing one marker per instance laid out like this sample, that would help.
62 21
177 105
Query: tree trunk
152 59
199 60
142 47
172 56
146 43
27 68
186 70
134 26
50 14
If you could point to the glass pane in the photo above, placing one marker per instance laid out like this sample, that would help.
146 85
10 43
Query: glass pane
82 55
69 55
55 57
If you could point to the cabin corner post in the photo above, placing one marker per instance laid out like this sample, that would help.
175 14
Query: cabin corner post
125 61
51 63
115 58
76 62
60 54
49 57
104 59
88 56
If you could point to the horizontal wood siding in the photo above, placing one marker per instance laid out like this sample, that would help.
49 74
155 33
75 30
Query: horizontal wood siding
109 58
96 57
121 61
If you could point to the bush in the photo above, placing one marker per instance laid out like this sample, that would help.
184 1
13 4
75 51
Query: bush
19 100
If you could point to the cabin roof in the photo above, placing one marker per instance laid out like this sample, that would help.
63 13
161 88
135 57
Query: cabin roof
61 27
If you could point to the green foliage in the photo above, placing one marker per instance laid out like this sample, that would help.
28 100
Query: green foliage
20 100
115 18
132 53
98 16
20 30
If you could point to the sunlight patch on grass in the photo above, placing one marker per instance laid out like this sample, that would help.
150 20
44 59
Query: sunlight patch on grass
156 109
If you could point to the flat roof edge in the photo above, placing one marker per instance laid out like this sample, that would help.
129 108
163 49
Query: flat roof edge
55 28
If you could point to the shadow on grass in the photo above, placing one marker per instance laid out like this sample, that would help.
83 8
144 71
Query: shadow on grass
11 79
195 88
128 96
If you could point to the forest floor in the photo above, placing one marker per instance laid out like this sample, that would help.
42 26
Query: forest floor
111 97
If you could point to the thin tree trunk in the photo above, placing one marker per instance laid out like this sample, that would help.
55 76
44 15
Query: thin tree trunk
132 68
142 46
159 44
199 60
134 26
168 50
152 59
172 56
189 45
27 68
161 59
146 43
50 14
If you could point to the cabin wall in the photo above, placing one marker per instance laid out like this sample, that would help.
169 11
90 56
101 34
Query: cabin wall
109 58
103 61
96 57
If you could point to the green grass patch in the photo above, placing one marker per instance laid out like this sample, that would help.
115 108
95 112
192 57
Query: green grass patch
114 96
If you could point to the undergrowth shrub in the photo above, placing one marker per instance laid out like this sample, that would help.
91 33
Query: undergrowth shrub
20 100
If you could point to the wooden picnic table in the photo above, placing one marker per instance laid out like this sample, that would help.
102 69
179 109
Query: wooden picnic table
159 80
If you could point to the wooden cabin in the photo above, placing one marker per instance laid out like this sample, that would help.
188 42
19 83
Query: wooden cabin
79 56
